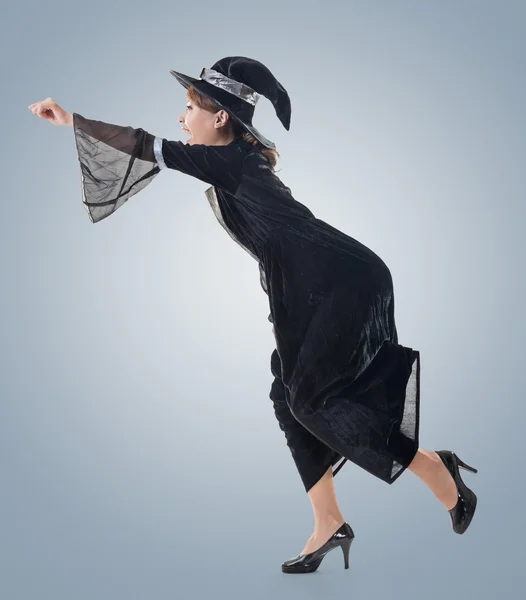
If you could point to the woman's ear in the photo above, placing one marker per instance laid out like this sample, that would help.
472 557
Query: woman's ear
221 119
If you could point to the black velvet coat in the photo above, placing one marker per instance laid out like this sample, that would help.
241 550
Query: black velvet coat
344 388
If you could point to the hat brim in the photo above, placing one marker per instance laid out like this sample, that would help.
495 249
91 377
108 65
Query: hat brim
186 81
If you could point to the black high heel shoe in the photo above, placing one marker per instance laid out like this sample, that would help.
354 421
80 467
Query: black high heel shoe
463 511
307 563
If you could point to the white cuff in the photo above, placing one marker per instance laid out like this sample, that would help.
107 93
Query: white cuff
158 152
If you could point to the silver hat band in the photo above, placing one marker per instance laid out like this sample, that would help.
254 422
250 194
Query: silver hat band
230 85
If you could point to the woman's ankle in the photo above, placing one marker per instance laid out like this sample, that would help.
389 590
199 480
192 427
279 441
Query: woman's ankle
328 523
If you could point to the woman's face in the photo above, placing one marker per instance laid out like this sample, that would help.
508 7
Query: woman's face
203 126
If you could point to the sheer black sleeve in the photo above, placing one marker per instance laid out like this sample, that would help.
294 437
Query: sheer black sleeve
117 162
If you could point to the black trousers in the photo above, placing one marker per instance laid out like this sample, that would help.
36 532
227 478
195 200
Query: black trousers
312 456
348 429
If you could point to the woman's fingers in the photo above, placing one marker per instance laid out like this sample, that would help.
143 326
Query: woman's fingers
39 107
50 110
36 108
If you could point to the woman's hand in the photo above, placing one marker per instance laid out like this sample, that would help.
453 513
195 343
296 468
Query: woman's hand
50 110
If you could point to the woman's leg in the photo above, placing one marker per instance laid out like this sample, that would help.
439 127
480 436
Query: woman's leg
327 515
428 466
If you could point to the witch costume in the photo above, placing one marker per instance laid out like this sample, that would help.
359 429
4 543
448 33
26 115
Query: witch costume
344 388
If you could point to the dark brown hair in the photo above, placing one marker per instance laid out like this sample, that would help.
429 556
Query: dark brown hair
237 130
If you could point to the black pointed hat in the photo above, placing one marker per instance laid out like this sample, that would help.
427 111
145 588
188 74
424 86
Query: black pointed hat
235 83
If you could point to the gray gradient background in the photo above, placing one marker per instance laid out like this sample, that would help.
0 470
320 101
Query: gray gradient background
139 452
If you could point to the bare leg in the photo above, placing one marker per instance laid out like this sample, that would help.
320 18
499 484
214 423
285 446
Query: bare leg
327 515
428 466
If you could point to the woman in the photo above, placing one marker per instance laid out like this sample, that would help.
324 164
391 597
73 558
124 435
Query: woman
343 388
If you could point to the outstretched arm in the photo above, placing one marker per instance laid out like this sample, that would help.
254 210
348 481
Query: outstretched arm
122 160
117 161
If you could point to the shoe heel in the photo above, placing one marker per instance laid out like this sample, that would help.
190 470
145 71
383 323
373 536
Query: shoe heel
465 466
346 546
